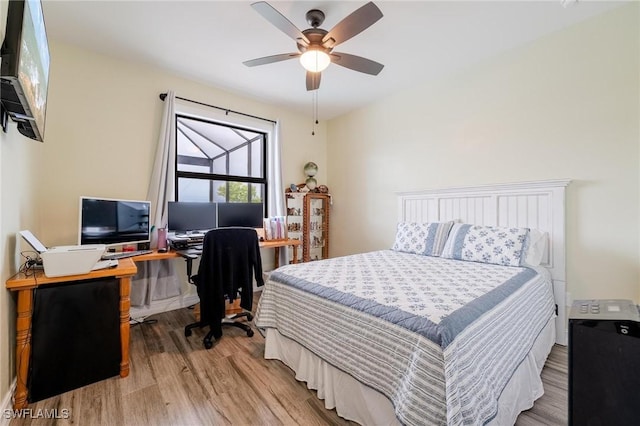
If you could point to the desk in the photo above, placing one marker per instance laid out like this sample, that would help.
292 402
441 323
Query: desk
25 286
126 269
267 244
235 307
276 244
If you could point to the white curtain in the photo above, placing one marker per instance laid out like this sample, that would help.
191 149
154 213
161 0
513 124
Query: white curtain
157 279
163 176
276 203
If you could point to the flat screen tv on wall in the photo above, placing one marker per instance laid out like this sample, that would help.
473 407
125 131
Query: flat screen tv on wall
24 72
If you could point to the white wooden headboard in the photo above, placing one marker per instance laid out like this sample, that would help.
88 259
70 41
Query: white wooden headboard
539 205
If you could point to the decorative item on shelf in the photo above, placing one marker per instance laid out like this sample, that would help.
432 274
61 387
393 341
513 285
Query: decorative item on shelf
323 189
310 169
275 228
311 183
301 187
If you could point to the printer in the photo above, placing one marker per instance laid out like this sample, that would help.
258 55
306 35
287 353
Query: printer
71 260
66 260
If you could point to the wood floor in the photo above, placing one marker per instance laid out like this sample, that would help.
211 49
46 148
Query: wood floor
175 381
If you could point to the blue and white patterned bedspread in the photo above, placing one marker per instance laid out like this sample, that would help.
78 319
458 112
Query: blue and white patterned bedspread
439 337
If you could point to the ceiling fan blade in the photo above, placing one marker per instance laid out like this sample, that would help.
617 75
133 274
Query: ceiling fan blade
354 24
313 80
279 21
357 63
270 59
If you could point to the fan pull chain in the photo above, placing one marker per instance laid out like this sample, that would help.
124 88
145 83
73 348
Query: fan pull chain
314 101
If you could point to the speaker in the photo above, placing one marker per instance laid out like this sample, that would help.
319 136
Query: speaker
604 363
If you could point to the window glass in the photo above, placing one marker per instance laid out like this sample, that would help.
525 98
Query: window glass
218 162
194 189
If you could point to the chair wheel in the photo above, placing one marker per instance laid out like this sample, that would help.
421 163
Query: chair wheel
208 344
187 332
249 333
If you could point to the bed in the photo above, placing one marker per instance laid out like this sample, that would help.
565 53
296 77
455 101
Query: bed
430 332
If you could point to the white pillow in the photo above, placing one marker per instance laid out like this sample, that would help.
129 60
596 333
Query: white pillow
536 247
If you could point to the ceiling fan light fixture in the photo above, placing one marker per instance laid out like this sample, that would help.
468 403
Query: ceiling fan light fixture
315 60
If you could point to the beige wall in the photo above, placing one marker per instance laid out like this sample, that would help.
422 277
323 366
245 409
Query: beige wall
565 106
19 158
103 121
102 129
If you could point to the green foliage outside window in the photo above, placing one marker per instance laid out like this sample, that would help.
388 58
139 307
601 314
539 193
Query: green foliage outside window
238 193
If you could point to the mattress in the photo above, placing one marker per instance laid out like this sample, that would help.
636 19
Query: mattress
439 338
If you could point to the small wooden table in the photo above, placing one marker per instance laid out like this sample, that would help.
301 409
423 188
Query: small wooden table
25 286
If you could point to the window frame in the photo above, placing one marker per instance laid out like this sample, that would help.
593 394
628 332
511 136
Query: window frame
212 177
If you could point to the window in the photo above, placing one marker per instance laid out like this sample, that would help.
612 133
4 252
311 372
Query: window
218 162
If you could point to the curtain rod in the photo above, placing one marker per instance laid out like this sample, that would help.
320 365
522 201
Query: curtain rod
227 110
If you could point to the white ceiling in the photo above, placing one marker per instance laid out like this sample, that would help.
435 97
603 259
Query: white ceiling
207 41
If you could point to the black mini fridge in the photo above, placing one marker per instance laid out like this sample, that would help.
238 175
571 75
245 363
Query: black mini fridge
76 336
604 363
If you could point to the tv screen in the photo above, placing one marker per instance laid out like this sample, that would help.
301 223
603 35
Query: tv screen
24 72
191 216
113 222
240 214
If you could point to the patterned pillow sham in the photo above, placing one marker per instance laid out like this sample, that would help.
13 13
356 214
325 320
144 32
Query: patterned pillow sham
486 244
422 238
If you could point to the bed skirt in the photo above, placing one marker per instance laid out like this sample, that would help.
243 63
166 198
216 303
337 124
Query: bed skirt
360 403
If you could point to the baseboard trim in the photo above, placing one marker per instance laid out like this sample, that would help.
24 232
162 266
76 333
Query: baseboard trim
165 305
7 405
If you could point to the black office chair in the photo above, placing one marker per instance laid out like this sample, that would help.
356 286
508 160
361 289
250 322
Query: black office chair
230 260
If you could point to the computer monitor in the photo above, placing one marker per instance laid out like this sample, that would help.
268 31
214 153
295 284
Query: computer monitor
188 216
113 221
240 214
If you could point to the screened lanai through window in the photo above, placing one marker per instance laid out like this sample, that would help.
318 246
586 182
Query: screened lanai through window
218 162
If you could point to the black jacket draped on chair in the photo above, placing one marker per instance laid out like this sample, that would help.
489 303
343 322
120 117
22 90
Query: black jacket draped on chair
230 259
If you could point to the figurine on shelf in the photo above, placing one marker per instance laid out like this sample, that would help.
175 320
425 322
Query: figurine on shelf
310 170
311 183
323 189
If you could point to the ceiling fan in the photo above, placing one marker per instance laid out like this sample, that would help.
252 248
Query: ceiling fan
315 45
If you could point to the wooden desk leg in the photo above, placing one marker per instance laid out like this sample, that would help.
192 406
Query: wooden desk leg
23 347
125 305
276 258
295 254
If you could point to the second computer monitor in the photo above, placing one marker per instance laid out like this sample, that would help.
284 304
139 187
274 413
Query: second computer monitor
240 214
187 216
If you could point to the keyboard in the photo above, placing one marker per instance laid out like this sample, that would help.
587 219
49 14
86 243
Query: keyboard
124 254
192 236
